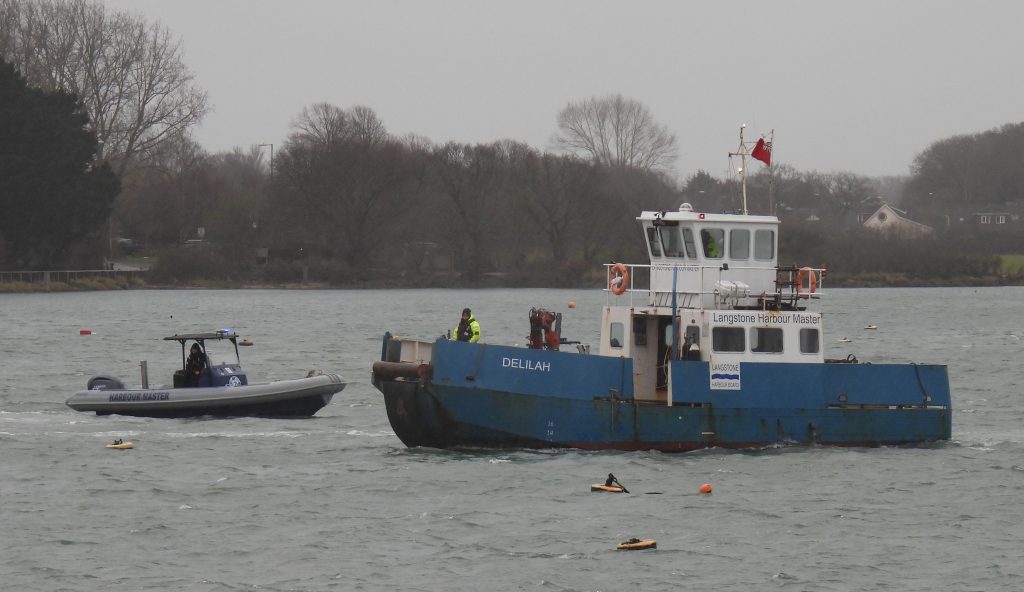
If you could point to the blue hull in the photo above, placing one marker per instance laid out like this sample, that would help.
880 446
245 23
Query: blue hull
505 397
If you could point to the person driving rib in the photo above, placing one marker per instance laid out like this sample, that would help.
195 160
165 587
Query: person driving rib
194 365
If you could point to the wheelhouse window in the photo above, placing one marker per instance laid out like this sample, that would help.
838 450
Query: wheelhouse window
728 339
739 244
616 334
810 342
713 240
766 340
670 241
764 245
691 249
653 242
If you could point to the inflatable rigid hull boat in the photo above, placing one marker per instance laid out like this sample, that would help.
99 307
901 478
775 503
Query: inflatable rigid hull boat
301 397
209 386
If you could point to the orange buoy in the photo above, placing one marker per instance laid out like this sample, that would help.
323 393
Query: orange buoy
572 304
85 332
705 488
245 342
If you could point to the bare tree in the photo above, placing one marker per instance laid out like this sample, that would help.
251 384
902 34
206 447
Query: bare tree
615 131
128 73
471 177
340 178
554 191
321 123
326 125
166 201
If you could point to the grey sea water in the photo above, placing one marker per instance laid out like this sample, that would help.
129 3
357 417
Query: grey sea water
336 502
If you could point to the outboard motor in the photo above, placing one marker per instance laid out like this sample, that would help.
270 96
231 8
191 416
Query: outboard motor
104 383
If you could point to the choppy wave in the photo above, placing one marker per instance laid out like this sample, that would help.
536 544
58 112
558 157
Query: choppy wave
338 503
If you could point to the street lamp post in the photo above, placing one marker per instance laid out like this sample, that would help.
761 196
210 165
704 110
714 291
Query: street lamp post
271 156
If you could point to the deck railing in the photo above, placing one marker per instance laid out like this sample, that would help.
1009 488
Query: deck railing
788 279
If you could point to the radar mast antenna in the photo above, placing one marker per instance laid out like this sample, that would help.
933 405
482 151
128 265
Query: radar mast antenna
743 151
761 151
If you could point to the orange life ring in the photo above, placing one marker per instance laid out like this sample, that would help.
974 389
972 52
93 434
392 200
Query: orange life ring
618 279
811 276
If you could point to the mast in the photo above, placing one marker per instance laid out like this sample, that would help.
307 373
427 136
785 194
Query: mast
762 151
742 152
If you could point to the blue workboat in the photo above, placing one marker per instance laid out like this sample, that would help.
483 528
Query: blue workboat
719 348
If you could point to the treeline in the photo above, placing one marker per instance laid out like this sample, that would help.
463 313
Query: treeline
348 203
95 150
978 169
863 257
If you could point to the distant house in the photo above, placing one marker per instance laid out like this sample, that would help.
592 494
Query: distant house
868 207
1009 213
890 220
801 214
991 215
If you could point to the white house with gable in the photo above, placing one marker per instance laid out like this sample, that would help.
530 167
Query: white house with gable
893 221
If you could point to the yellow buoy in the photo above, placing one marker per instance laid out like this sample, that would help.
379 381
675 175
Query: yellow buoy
705 488
572 304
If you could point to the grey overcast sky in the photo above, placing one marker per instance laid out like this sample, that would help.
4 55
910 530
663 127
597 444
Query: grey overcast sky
860 86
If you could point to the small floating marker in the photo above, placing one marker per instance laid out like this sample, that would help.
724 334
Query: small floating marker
245 342
85 332
705 488
637 545
572 304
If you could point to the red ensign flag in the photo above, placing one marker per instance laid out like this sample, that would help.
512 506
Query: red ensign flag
763 152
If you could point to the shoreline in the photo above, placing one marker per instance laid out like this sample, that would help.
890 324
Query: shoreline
873 281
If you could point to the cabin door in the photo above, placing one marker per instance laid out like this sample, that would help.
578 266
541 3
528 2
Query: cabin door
664 347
